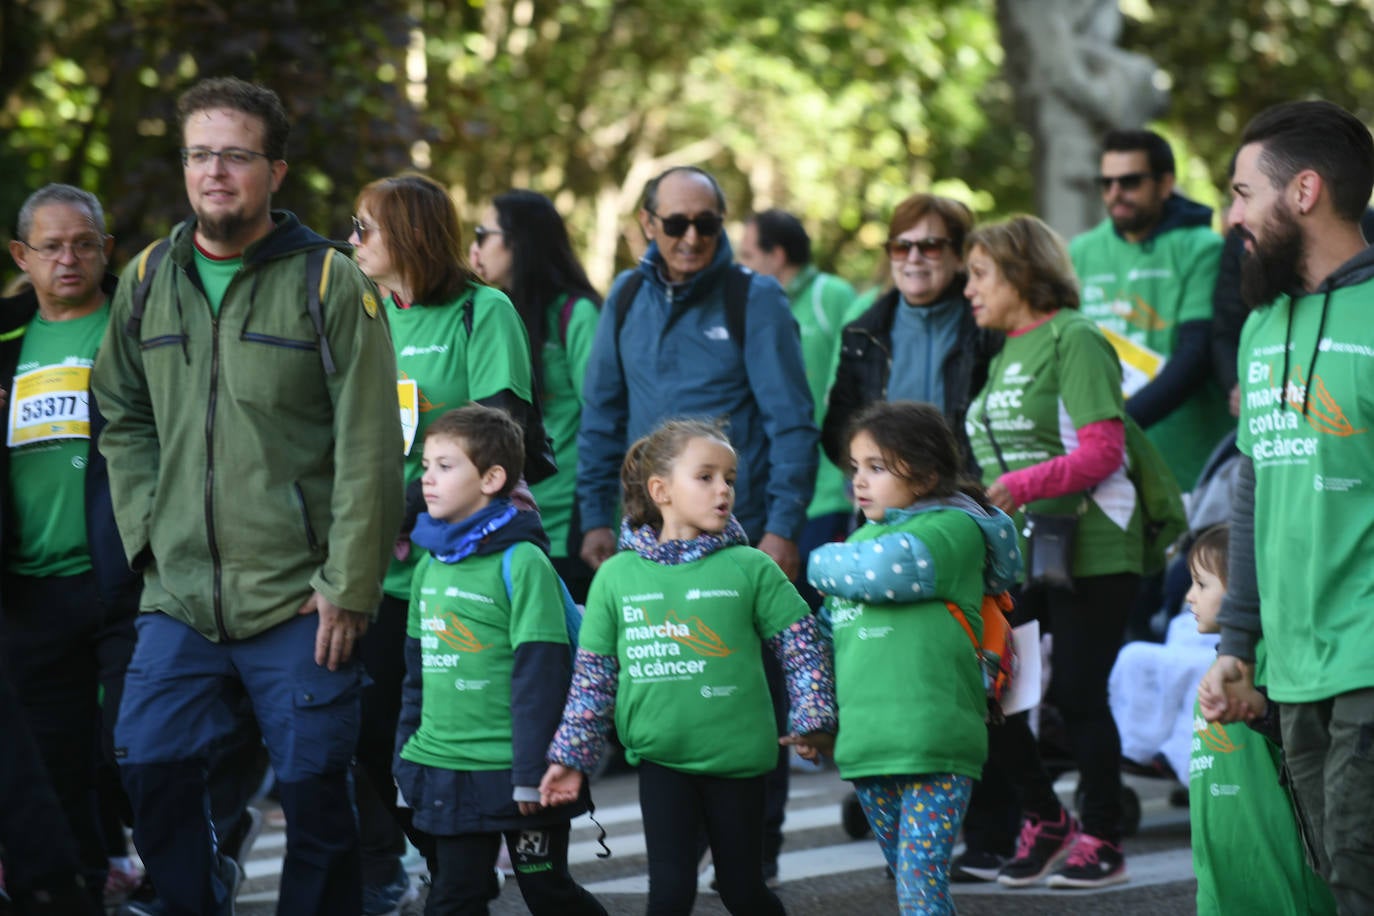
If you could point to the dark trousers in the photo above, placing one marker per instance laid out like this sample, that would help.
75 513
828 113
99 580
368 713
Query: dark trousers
1088 624
179 707
1329 749
39 849
465 874
62 646
381 824
676 806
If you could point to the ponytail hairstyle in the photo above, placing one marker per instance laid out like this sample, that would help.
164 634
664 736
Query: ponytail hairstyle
918 446
654 456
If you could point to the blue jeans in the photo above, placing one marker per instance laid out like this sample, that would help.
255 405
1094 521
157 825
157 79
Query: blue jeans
175 710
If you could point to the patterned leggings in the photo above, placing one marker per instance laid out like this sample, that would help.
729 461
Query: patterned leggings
916 820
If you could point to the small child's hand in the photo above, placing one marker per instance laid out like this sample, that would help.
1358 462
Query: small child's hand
560 785
811 746
1249 699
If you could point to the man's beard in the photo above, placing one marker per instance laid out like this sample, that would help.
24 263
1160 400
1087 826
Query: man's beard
1272 267
1140 220
223 228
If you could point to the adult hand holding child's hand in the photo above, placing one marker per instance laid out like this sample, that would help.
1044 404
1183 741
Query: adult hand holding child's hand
811 746
1227 691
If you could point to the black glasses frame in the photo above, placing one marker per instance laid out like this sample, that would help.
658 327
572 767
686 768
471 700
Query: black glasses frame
675 225
1129 182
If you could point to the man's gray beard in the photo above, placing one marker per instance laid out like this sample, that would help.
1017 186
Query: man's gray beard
1271 269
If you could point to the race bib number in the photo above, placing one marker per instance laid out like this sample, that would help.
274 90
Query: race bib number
408 393
51 402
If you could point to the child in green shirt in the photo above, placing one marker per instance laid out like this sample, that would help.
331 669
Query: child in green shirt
671 650
487 670
1248 849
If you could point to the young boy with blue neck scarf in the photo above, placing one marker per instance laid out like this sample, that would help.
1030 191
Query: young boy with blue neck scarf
487 669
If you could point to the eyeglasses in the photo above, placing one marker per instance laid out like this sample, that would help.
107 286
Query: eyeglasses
675 226
482 232
233 158
900 249
1129 182
85 249
361 228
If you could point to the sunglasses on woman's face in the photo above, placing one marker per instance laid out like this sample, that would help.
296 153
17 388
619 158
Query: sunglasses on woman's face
482 233
900 249
675 226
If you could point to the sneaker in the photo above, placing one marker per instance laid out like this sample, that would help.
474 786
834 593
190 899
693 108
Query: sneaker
972 865
1038 849
1092 862
770 874
386 899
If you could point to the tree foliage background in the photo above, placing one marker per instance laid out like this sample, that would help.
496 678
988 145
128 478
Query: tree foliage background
831 109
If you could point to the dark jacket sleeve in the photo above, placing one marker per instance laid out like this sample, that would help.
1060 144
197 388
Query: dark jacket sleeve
846 400
1182 374
538 689
539 460
1240 609
409 719
1228 312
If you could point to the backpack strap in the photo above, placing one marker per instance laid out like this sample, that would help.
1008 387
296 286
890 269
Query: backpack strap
737 302
565 318
148 261
317 263
572 614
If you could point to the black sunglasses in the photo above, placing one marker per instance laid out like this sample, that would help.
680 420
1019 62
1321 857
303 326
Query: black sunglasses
707 224
900 249
481 233
1129 182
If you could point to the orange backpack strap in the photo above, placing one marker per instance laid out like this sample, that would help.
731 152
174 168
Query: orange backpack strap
959 616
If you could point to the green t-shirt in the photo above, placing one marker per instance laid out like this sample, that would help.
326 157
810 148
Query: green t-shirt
1314 488
907 677
435 375
564 368
1143 292
692 694
1045 385
469 631
1241 813
215 276
819 303
49 442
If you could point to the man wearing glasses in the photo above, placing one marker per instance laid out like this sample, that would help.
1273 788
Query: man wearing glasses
69 600
1147 273
673 352
255 464
678 338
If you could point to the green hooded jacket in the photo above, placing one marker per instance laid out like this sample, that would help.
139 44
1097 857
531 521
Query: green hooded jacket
243 475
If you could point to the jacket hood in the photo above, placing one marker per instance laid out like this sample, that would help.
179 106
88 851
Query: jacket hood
1179 213
699 284
288 236
1352 273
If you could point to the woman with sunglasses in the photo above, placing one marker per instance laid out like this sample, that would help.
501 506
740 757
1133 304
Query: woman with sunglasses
457 340
1049 430
522 247
918 342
